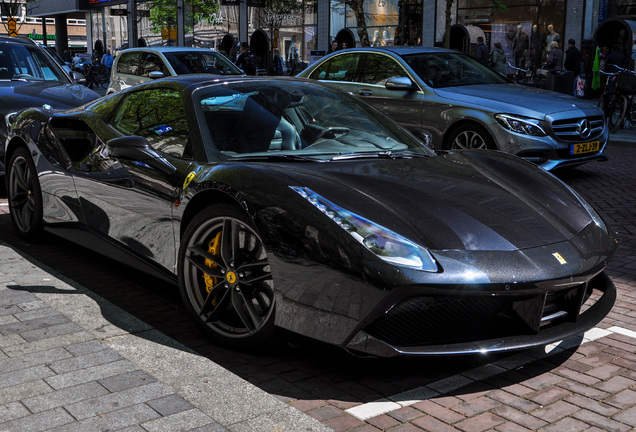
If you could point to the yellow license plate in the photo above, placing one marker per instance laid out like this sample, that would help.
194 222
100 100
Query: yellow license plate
585 147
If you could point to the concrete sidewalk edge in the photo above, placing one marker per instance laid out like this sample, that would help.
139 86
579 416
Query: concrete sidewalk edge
228 399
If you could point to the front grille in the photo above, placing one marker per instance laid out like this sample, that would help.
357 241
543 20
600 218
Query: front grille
424 320
569 130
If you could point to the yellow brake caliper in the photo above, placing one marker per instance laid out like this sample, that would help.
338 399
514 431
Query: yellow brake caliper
213 248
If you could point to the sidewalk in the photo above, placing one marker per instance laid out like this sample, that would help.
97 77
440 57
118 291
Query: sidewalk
71 361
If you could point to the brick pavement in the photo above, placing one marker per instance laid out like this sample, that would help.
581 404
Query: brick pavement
120 364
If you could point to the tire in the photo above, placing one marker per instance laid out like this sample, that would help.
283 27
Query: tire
616 113
24 195
470 137
225 278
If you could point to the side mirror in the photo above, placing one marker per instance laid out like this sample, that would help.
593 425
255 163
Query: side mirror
155 74
400 83
78 77
137 149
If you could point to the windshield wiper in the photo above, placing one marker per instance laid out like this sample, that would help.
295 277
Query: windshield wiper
278 157
383 155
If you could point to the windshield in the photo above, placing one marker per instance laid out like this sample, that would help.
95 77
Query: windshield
193 62
293 119
446 69
28 63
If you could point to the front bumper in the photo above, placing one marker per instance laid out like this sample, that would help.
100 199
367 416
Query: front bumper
479 324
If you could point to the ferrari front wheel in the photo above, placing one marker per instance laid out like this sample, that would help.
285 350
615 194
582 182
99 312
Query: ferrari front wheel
24 195
225 278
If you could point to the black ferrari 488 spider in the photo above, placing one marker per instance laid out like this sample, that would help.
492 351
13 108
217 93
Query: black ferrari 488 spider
287 203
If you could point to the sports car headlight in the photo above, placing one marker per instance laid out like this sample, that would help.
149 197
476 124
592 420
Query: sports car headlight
522 125
384 243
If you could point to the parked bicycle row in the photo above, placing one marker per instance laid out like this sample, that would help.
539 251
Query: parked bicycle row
617 100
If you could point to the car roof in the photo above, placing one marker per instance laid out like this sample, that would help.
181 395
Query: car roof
167 49
18 39
400 50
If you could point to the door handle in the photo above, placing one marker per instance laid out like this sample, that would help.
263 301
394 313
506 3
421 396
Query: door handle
365 92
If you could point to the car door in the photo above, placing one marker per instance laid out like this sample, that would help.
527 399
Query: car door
404 106
135 207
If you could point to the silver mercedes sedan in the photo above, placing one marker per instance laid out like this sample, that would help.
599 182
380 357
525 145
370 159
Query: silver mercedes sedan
464 104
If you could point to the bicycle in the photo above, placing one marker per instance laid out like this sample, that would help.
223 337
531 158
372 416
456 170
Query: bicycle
607 97
527 77
622 107
98 75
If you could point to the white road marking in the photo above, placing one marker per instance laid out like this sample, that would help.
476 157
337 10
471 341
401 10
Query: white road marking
454 382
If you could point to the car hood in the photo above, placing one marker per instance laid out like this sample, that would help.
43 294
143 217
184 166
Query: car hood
518 99
485 201
20 94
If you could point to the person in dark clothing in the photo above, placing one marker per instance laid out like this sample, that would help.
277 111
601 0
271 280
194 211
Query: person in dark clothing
573 58
246 60
615 57
481 53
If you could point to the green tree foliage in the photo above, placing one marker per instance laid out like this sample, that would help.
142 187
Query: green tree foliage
163 13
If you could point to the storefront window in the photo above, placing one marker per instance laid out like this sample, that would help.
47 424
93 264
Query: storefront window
376 22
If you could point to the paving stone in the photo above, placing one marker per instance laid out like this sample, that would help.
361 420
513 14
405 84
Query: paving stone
12 410
126 380
128 418
77 377
64 397
23 347
88 347
170 404
38 422
28 360
23 391
480 422
50 332
34 324
85 361
14 378
115 401
600 421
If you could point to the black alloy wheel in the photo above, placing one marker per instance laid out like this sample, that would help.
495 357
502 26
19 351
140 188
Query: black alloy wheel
225 278
470 137
24 195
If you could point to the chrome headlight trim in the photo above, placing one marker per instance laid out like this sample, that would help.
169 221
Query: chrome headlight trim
384 243
520 125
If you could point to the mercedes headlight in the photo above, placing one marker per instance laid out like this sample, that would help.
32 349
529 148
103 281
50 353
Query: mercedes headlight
521 125
384 243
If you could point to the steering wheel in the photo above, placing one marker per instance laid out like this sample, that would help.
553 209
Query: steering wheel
332 131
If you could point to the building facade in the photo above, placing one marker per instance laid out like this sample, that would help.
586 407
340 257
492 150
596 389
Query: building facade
305 31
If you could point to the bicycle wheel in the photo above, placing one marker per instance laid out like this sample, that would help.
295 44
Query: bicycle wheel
632 112
616 113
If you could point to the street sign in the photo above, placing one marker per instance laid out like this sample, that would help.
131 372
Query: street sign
12 27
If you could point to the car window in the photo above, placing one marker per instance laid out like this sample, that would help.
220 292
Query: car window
342 67
28 63
379 68
451 70
191 62
257 119
128 63
152 63
158 116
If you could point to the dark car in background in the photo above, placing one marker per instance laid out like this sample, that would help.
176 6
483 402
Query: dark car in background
465 104
289 203
29 77
138 65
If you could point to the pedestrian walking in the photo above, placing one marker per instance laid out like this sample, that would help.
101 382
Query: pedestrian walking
481 53
555 58
498 59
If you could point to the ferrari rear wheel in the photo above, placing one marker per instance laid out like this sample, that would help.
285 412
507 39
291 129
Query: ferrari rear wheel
470 137
24 195
225 278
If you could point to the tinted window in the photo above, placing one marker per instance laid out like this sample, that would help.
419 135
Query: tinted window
152 63
28 63
200 62
342 67
128 63
379 68
158 116
451 70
